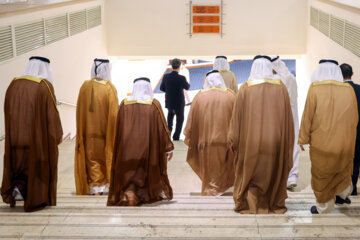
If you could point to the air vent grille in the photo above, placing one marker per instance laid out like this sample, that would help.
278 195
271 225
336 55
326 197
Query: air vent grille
77 22
337 30
352 38
94 17
6 43
324 22
314 17
343 32
29 36
56 28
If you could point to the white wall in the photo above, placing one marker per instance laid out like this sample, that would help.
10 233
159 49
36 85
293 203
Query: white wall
71 60
320 46
159 28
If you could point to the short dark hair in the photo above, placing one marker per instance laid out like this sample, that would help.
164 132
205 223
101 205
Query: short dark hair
346 70
175 63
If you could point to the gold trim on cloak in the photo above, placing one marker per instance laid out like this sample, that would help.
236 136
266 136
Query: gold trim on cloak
334 82
98 80
261 81
38 80
127 102
214 88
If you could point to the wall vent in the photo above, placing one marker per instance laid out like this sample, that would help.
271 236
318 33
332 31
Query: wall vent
29 36
324 22
314 17
56 28
25 37
93 17
337 27
6 43
343 32
352 38
77 22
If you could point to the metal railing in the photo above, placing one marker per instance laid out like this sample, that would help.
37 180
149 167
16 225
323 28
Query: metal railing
65 103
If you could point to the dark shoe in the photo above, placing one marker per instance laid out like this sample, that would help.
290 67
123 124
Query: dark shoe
354 192
339 200
314 210
176 139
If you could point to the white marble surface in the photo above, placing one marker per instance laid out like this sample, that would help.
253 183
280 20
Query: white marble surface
188 215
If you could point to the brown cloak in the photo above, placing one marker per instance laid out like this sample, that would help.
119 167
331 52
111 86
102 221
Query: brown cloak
32 134
329 125
96 112
206 135
262 136
139 167
230 80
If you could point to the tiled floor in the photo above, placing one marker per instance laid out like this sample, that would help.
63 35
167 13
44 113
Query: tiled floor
188 215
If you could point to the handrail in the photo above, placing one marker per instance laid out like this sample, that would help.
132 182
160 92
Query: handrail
59 102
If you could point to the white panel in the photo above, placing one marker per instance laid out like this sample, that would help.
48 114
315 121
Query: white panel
6 43
324 22
77 22
29 36
352 38
56 28
337 30
94 17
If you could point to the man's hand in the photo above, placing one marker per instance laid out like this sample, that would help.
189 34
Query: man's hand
302 148
169 155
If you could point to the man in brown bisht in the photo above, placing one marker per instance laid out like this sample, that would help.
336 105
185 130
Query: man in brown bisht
262 136
96 112
221 64
32 134
206 135
329 125
141 151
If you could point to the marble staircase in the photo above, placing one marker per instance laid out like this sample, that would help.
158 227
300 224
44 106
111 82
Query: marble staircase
188 215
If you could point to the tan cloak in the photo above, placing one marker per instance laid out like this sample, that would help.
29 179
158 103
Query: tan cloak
96 112
262 136
139 167
329 125
32 134
230 80
206 135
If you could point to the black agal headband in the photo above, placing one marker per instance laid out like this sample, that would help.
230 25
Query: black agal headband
40 58
101 62
221 57
213 71
262 56
142 79
329 61
275 58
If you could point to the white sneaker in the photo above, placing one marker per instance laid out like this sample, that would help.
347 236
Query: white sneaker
17 195
291 185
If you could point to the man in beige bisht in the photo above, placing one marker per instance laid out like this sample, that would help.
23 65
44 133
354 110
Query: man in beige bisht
283 73
262 136
141 151
329 125
96 112
206 135
221 64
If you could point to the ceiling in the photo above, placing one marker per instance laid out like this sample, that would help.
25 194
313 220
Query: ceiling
16 5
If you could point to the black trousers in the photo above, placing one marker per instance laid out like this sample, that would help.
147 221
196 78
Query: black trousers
179 121
355 175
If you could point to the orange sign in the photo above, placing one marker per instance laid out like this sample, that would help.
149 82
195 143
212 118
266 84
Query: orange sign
206 19
206 29
206 9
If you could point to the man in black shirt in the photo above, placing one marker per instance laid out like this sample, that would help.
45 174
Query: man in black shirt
173 85
347 73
